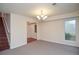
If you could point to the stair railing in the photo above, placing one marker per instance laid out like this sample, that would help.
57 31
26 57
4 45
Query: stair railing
4 16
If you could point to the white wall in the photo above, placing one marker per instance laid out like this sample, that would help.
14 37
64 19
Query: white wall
39 25
67 15
18 30
77 32
53 31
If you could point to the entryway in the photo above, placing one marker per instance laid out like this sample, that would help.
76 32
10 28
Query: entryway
31 32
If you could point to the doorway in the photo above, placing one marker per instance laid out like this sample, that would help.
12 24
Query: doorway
31 32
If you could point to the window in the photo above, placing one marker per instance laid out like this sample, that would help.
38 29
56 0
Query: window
70 32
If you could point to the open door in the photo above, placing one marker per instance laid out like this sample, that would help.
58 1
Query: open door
31 32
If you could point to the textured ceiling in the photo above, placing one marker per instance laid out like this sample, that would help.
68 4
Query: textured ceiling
33 9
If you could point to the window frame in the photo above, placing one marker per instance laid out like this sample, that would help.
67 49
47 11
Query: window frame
69 19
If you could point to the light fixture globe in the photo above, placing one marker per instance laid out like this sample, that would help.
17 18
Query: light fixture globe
45 17
38 17
42 16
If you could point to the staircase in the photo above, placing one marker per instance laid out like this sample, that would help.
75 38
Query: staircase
3 38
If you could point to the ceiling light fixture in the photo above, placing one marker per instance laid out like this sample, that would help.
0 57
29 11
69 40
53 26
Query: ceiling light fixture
42 16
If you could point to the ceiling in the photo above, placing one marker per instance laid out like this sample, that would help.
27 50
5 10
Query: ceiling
34 9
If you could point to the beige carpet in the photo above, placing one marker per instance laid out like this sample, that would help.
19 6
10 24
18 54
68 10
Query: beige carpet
42 48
